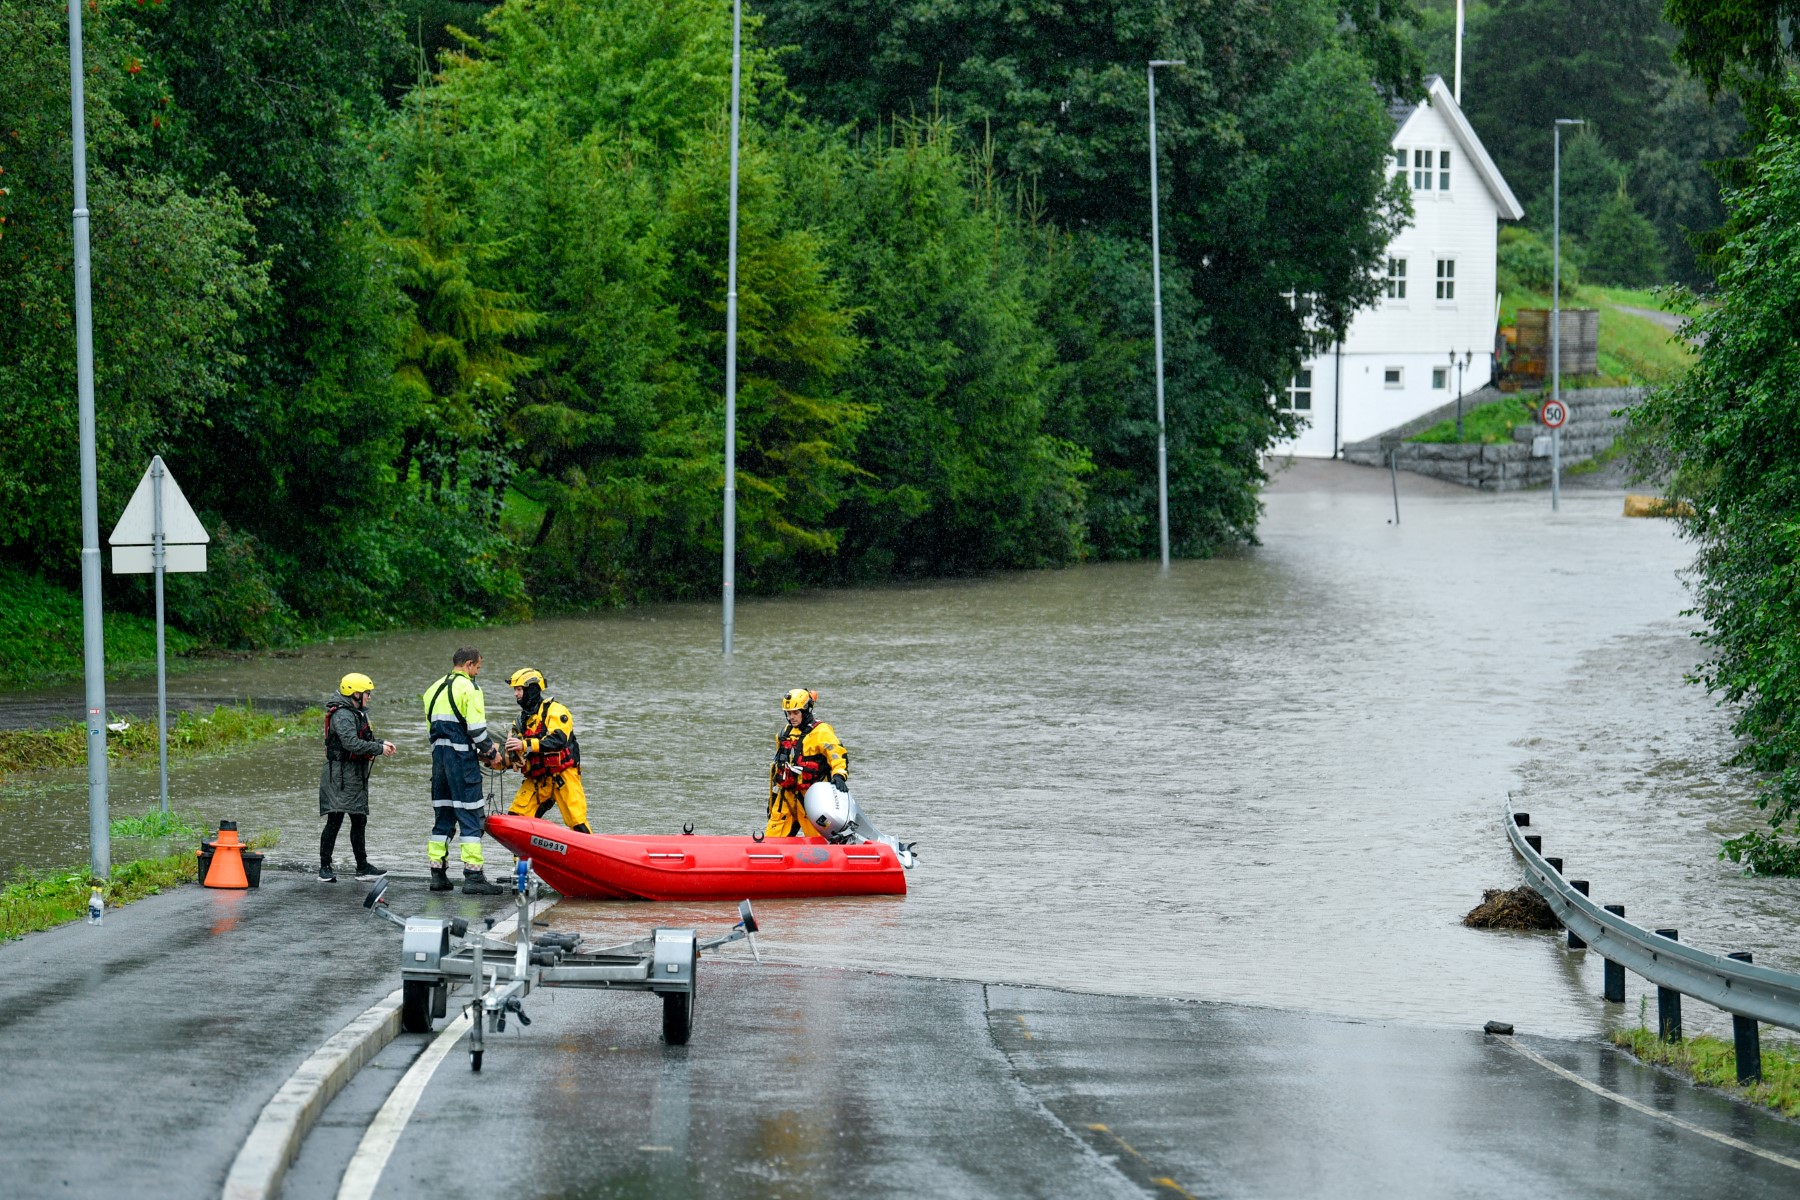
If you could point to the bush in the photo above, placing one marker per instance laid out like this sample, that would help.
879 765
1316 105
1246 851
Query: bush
1526 263
234 604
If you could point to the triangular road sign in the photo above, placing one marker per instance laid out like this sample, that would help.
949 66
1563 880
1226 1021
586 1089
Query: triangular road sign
180 526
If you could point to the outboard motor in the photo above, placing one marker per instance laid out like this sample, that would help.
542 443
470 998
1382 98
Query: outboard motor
842 820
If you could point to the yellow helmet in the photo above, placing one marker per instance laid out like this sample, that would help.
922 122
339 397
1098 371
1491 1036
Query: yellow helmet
799 698
355 682
525 677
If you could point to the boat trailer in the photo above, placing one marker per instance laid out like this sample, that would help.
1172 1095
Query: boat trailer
442 953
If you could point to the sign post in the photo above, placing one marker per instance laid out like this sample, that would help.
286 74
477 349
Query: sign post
1554 414
159 533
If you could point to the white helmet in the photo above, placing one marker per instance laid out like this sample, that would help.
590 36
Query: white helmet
829 809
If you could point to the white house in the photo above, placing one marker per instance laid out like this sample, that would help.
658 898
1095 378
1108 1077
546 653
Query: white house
1439 300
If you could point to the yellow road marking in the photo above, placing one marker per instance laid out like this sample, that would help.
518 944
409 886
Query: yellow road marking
1022 1028
1159 1180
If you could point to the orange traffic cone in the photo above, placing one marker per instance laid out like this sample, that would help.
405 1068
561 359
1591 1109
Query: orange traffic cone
227 869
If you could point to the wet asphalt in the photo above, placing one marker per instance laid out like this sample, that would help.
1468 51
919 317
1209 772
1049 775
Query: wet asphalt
807 1082
139 1053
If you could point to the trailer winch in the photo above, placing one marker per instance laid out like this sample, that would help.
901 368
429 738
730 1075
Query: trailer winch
439 954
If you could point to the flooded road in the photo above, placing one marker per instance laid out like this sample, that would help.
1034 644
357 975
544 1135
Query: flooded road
1275 778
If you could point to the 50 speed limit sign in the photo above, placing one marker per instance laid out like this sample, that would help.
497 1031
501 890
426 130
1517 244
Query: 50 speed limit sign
1553 414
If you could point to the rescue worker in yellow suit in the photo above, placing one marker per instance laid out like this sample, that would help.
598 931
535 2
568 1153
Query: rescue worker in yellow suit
806 751
543 746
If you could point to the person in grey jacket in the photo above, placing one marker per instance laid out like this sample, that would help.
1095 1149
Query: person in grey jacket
350 749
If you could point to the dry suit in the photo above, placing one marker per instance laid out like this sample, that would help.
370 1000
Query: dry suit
551 761
804 754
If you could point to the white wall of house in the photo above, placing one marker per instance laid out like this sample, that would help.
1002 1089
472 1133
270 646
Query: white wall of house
1438 292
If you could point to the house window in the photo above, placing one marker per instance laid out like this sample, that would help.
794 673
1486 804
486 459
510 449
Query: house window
1446 279
1422 170
1299 391
1400 161
1396 279
1443 170
1391 377
1440 378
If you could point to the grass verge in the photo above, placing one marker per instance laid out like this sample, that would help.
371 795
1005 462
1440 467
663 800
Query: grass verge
225 728
44 900
1712 1062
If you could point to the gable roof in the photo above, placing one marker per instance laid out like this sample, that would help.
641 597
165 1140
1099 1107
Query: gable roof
1438 96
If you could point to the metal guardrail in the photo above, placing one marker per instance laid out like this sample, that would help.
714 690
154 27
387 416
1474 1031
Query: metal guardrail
1729 982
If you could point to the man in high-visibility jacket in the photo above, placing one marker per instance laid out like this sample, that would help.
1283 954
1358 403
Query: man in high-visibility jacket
457 714
543 746
806 751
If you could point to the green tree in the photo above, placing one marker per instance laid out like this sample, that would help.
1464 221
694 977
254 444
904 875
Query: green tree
1274 172
587 138
1725 430
1623 246
1528 62
177 284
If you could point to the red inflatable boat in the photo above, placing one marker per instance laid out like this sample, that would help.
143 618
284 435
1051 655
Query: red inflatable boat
689 867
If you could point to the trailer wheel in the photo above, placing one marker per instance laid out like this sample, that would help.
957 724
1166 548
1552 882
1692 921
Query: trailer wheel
415 1006
678 1017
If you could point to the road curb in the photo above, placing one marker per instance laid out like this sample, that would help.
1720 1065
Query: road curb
274 1142
289 1116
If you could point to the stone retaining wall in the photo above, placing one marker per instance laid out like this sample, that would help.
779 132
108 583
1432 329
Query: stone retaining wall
1592 428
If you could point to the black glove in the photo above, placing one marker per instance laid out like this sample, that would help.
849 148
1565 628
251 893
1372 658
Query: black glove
840 783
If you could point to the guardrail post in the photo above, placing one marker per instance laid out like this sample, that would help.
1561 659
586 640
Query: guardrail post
1575 943
1668 1002
1555 864
1521 819
1746 1037
1615 972
1535 842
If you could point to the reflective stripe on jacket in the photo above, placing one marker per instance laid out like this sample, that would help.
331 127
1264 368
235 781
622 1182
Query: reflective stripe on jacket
457 713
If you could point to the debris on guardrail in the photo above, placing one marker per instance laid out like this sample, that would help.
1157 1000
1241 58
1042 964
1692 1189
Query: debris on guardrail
1520 908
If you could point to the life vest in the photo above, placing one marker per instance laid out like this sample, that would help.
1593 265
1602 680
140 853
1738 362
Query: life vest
794 769
334 747
545 763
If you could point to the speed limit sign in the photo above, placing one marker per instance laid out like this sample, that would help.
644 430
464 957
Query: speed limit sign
1553 414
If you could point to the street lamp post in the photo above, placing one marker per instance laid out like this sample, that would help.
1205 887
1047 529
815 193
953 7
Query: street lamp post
1162 434
1452 366
1556 305
731 298
92 644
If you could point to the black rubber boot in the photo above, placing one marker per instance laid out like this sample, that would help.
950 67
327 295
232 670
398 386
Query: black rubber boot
581 828
477 884
440 880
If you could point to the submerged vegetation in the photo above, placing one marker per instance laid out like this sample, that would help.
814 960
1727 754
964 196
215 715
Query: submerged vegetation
228 726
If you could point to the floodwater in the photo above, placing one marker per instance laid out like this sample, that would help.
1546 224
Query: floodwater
1274 778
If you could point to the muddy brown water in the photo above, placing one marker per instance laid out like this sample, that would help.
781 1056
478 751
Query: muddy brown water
1275 777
